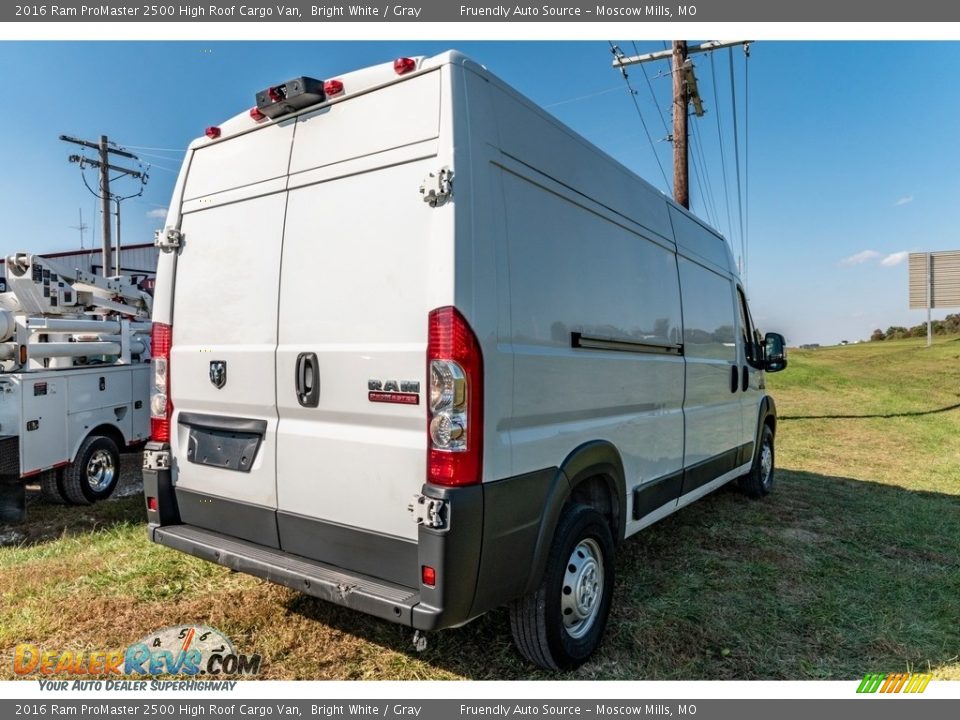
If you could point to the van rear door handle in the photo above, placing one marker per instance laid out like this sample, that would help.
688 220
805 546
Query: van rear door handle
745 379
308 380
734 378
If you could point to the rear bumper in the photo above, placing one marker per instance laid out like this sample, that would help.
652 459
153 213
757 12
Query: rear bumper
374 597
486 555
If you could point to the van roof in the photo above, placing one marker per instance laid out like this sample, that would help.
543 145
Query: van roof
374 77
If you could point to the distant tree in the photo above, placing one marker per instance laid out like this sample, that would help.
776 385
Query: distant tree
951 323
878 335
897 332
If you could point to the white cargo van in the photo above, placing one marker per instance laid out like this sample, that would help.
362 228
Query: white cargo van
423 351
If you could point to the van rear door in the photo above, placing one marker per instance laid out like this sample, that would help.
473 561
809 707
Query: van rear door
363 259
222 365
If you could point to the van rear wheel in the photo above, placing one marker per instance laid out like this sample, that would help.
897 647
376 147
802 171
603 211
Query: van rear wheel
94 473
560 624
759 481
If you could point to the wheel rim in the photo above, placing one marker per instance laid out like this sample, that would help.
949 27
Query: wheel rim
766 463
100 470
582 592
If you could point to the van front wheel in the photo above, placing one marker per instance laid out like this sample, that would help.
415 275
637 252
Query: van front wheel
560 624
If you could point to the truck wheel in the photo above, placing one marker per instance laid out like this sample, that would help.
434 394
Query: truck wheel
94 473
559 625
50 490
759 481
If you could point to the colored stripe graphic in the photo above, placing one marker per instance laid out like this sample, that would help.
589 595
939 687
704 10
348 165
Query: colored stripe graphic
871 682
894 683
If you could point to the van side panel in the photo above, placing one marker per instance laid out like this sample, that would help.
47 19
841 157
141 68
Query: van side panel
575 271
537 139
482 288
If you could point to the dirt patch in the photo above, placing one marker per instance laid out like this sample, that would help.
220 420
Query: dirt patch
803 536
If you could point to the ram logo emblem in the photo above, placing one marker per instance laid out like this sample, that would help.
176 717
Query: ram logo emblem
218 373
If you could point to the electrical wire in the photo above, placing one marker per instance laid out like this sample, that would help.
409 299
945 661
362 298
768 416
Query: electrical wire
696 177
746 161
153 166
633 96
157 149
723 161
158 157
736 148
653 95
560 102
708 184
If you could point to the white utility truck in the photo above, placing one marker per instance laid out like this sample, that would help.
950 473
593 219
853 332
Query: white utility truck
74 377
458 354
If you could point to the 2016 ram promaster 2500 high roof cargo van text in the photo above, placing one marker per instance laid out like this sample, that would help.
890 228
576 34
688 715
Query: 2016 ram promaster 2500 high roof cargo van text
420 350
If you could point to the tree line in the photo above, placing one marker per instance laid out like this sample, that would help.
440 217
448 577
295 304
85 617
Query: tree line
950 325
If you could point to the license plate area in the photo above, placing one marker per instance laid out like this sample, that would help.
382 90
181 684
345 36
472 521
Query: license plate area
221 442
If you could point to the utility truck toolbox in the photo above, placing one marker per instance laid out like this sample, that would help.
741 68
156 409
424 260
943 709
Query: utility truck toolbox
483 354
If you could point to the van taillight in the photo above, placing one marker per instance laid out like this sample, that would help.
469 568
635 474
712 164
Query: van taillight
455 400
160 406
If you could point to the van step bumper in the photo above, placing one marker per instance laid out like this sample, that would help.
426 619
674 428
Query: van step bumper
370 595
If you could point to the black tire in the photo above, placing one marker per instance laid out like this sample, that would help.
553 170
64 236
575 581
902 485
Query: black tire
51 489
759 481
537 620
94 473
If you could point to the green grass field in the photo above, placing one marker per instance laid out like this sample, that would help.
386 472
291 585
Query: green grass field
851 566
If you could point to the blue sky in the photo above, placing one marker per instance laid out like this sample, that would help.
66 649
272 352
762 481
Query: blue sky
851 159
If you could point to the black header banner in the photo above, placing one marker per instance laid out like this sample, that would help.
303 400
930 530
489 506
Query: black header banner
412 11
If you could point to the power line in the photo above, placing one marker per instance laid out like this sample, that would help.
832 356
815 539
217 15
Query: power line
723 160
633 96
653 95
158 149
159 157
560 102
154 166
746 162
696 177
698 148
736 149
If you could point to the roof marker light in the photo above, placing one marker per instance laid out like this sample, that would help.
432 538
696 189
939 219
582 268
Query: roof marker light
332 87
403 65
212 132
256 114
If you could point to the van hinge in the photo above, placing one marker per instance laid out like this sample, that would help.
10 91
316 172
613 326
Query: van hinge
429 511
156 460
437 187
167 239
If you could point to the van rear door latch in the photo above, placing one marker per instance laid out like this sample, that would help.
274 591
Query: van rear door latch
437 187
429 511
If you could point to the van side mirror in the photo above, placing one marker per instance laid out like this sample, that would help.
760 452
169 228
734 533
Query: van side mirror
774 352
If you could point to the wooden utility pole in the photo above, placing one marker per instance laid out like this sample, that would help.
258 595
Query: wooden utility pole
684 90
104 166
105 205
681 186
